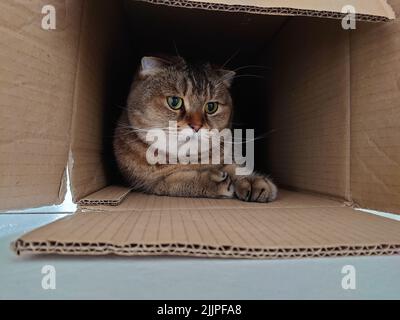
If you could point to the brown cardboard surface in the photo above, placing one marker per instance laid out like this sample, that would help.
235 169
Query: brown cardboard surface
229 231
371 10
99 33
375 116
38 70
309 103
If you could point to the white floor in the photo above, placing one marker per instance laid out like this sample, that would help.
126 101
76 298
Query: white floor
185 278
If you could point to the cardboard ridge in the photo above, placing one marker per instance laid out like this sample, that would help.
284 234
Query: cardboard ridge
286 8
198 250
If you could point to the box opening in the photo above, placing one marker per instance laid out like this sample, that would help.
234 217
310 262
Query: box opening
256 46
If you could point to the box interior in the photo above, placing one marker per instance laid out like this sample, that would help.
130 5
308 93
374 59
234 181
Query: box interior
301 107
194 34
254 49
304 84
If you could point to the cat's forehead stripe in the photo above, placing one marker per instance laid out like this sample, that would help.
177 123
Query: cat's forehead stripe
185 86
201 83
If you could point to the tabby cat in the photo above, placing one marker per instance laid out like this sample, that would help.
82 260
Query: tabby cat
196 97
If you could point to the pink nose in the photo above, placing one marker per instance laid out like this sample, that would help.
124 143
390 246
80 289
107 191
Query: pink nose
195 127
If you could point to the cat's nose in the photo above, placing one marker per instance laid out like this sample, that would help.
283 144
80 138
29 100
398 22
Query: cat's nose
196 127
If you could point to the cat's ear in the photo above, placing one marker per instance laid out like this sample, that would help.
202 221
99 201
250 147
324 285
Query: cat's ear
152 65
227 76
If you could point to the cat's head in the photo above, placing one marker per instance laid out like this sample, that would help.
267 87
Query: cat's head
195 96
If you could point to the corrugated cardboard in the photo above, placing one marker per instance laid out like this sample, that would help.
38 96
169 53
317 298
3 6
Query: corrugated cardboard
377 10
333 113
38 71
97 44
218 228
309 102
375 116
111 196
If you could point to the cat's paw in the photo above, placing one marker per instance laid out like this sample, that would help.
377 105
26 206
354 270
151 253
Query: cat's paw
255 188
222 184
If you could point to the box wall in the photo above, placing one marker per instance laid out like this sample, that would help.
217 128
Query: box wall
38 69
308 113
99 61
375 115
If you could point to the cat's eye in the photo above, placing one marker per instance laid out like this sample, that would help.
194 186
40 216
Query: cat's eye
175 103
211 107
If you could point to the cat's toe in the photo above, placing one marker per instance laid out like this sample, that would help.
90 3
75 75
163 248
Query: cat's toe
226 188
255 189
218 175
243 189
263 190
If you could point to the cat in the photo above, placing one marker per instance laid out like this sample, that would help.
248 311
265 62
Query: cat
195 96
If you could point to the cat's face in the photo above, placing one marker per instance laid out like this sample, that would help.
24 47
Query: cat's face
196 97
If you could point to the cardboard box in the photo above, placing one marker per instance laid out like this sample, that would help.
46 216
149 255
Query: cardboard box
331 103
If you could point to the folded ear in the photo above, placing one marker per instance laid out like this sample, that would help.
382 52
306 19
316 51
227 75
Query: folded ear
227 76
152 65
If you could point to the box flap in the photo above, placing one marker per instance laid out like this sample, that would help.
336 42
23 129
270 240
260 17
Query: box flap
37 73
145 202
240 231
110 196
101 35
371 10
375 116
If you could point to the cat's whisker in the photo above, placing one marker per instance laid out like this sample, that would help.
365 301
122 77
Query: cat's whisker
252 66
221 80
242 141
144 129
176 49
230 58
121 107
249 76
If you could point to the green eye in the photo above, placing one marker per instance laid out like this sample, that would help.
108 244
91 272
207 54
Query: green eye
175 103
211 107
